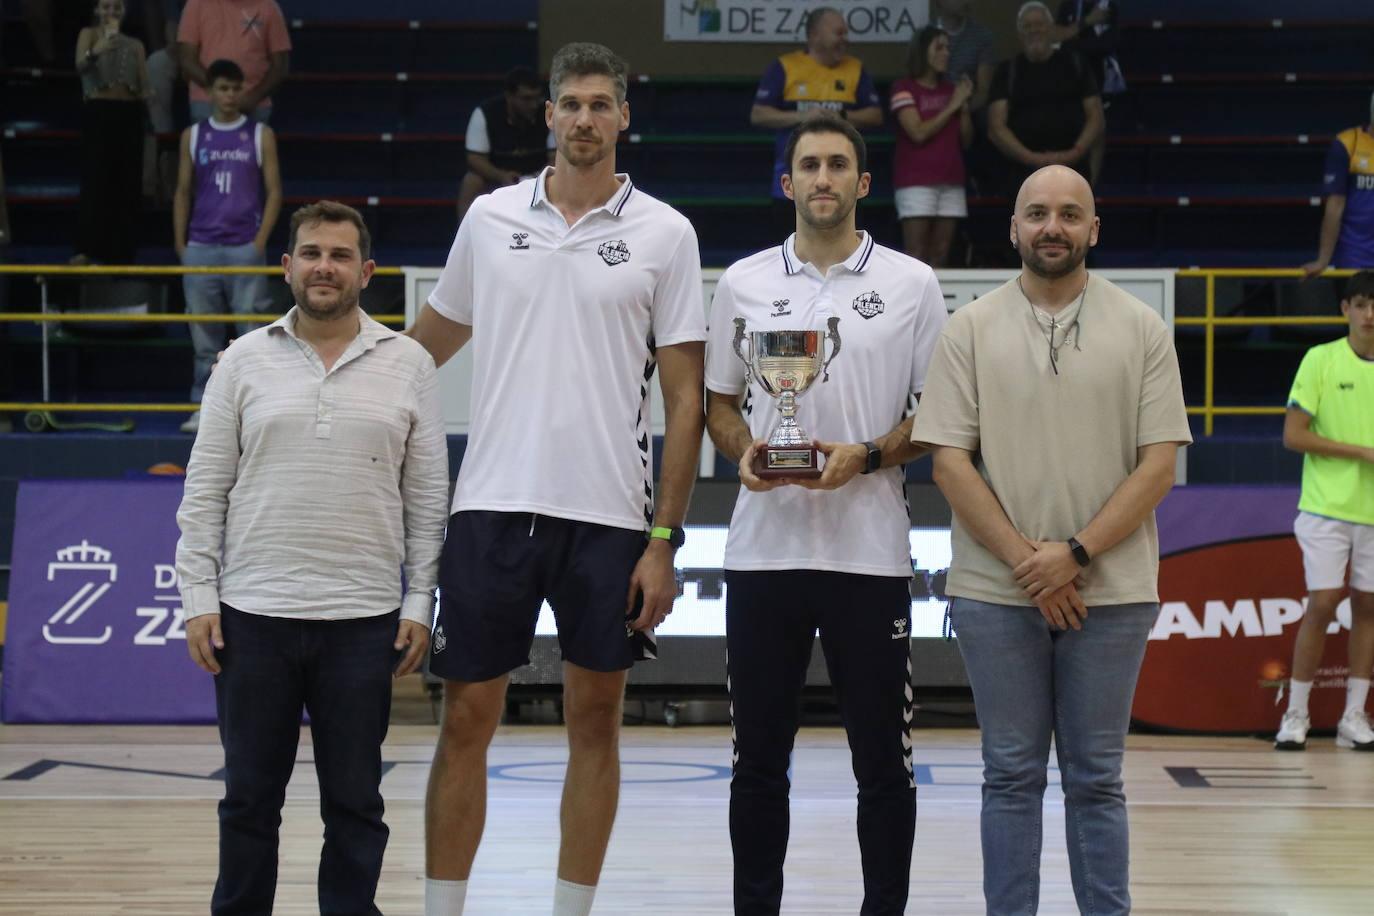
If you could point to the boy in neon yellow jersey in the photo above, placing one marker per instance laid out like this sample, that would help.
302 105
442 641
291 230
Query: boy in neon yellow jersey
1331 421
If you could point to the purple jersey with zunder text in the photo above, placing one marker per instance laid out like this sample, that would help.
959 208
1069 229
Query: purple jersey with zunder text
227 159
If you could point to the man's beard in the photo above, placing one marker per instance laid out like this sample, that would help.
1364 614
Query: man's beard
346 302
815 222
577 157
1041 268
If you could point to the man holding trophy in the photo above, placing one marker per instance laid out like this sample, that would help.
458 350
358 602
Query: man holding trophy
820 545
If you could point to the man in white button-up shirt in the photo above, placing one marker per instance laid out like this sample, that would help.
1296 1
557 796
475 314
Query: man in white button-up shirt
832 553
319 475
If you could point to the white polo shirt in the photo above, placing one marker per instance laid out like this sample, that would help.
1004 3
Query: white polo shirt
891 313
565 321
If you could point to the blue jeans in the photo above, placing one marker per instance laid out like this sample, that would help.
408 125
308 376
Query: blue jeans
1031 682
219 294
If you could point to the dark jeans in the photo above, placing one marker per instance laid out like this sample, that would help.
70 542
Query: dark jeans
111 180
771 620
340 672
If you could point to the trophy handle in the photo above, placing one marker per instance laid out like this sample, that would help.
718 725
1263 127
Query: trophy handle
832 332
740 342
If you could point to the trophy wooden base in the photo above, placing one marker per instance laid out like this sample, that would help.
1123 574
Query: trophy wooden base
773 462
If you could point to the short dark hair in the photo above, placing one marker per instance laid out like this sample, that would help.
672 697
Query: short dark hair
522 78
918 50
586 58
813 19
330 211
1360 285
223 70
826 124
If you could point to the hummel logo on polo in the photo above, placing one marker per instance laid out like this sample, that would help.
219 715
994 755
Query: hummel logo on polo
564 337
890 312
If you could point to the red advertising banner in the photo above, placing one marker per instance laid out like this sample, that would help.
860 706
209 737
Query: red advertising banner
1232 594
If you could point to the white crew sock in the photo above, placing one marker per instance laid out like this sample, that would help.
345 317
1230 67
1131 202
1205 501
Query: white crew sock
1298 692
572 899
1356 693
444 898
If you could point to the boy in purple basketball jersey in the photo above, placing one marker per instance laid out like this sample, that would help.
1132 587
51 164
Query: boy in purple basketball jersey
227 200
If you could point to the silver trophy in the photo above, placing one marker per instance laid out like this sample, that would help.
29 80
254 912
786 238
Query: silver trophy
785 363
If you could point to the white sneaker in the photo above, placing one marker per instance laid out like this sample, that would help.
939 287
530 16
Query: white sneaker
1292 734
193 424
1353 731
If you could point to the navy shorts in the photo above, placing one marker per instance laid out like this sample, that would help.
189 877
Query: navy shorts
498 568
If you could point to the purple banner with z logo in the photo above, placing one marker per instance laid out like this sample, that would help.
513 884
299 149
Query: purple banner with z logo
96 632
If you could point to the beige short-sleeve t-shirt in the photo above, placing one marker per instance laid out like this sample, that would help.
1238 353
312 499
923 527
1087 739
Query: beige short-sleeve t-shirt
1053 448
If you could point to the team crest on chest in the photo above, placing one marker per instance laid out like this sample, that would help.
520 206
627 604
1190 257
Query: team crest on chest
613 253
869 304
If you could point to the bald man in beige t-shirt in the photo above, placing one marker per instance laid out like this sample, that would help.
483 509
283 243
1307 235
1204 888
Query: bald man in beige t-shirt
1054 409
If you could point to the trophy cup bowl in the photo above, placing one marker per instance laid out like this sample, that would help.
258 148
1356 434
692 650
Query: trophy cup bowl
785 364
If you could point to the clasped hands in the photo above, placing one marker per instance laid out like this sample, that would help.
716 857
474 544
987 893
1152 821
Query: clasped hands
1051 577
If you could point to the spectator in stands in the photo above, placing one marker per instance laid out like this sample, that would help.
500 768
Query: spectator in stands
507 139
114 86
1347 238
159 169
1331 421
1045 108
933 128
1090 28
802 84
970 48
227 200
251 33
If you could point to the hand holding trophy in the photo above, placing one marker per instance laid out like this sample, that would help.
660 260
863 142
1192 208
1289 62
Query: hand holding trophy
785 363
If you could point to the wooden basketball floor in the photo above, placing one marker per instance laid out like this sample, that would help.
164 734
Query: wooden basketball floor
121 820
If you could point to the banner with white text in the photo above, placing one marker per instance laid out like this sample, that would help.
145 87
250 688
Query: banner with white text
784 21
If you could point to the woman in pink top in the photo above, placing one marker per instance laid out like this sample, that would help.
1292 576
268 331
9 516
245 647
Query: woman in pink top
934 127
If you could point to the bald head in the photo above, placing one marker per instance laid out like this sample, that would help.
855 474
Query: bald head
1055 222
1056 183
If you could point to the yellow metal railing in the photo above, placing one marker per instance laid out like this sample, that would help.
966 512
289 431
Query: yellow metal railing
42 273
1209 410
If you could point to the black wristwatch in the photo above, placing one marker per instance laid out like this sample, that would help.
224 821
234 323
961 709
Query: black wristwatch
675 537
1080 553
875 458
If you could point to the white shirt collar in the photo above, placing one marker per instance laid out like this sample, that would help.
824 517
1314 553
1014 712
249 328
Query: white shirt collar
855 263
614 206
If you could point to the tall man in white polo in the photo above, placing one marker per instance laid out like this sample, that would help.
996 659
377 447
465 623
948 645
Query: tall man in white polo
319 472
1055 412
832 553
573 287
